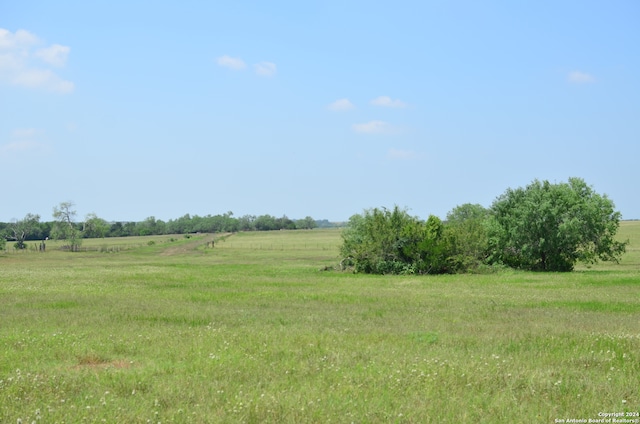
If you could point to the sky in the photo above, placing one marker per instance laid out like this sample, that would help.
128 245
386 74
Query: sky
132 109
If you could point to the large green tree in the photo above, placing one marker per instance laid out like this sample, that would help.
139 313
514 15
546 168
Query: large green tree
550 227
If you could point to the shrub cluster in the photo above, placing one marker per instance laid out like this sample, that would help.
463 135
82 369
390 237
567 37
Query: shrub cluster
542 227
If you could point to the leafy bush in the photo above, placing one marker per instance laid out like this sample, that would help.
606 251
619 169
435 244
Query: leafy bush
543 227
467 229
549 227
382 241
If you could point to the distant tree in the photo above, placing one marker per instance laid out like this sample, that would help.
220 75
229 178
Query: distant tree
220 223
199 224
247 223
265 223
181 225
20 230
150 226
115 230
129 229
284 223
43 231
549 227
230 224
324 223
95 227
307 223
65 227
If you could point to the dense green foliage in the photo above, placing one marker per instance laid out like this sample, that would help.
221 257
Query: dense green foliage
467 227
385 241
543 227
94 227
549 227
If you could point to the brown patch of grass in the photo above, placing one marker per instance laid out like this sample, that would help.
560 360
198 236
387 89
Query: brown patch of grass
93 361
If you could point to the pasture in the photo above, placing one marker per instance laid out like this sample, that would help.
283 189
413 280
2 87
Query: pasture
166 329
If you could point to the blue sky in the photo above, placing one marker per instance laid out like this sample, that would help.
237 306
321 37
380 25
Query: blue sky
320 108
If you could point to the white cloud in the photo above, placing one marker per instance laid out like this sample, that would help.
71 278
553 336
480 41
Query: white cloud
265 69
55 55
20 39
578 77
42 78
371 127
341 105
20 146
234 63
23 140
402 154
24 132
386 101
21 65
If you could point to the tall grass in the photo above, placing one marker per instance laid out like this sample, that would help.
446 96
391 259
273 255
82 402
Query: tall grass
254 330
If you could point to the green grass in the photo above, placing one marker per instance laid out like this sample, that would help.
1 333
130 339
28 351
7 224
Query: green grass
255 330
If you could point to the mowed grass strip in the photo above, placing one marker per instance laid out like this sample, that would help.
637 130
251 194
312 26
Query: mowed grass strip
253 331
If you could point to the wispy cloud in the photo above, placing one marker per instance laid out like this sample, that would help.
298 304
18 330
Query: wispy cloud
386 101
22 64
43 78
578 77
371 127
265 69
20 146
55 55
23 140
397 154
234 63
24 132
341 105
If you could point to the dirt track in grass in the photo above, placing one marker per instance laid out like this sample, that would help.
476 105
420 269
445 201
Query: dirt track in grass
192 246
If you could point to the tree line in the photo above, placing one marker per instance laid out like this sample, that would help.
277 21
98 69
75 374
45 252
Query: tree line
541 227
65 226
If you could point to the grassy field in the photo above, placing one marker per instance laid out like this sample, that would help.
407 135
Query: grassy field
167 329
